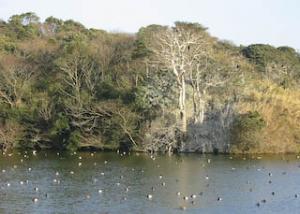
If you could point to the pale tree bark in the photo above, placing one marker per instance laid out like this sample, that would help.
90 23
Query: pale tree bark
199 92
80 75
125 127
205 75
13 83
46 109
72 77
177 49
79 72
182 108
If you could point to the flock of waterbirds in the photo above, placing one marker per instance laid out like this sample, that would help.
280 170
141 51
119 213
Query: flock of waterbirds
187 199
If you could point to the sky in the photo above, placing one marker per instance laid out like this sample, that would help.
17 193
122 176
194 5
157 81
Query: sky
275 22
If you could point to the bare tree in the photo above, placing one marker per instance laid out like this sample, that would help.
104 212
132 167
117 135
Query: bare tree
46 108
211 70
124 124
14 78
203 76
178 50
81 76
73 77
79 73
103 51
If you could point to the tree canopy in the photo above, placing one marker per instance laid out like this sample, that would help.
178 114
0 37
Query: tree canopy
64 86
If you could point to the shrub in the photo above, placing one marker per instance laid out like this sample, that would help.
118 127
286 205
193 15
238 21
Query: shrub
246 131
74 140
107 91
60 132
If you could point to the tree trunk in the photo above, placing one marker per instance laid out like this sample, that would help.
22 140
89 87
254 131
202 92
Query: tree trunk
136 80
182 105
195 104
201 110
199 105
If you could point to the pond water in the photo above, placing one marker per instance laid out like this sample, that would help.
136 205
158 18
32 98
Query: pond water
49 182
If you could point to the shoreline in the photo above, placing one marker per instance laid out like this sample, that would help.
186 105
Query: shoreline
139 151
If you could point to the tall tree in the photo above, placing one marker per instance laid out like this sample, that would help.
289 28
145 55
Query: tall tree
178 49
15 78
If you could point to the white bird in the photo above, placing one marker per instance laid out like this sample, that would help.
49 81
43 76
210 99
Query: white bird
193 196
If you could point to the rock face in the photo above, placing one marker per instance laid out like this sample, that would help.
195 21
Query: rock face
213 134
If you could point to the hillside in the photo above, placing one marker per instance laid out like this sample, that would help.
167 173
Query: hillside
165 88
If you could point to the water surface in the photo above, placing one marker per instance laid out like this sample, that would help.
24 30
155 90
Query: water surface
269 184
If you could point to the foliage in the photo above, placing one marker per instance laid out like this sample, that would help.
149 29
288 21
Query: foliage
280 110
246 131
64 86
281 64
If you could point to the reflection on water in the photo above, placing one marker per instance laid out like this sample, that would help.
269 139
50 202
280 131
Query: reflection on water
110 183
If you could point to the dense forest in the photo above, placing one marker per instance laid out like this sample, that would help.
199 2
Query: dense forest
164 88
